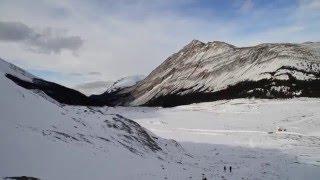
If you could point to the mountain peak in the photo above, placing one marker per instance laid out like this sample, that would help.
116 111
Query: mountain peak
194 43
220 43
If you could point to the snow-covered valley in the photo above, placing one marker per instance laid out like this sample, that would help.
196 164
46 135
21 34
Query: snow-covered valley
259 139
243 133
159 90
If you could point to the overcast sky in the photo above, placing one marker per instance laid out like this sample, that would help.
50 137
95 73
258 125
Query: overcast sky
75 41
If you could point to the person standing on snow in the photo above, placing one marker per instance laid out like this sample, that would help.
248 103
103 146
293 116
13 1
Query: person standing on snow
203 177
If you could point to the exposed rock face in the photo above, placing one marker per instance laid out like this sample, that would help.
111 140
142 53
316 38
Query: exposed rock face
217 70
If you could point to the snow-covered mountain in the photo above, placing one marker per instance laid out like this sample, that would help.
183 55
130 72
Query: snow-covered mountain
99 87
125 82
95 87
216 70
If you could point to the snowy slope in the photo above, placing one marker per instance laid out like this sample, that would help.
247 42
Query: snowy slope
8 68
217 70
43 139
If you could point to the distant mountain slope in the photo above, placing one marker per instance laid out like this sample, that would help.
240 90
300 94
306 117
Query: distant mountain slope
216 70
125 82
95 87
100 87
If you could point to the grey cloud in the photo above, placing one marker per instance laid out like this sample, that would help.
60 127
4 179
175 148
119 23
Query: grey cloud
310 4
75 74
93 85
48 41
94 73
13 31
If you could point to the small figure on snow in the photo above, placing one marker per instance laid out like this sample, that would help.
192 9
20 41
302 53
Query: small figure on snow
224 168
280 129
230 168
203 177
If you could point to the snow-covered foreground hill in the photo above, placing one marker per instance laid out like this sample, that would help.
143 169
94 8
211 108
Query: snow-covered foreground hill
243 133
43 139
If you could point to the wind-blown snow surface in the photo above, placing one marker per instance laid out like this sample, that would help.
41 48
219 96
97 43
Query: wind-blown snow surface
243 133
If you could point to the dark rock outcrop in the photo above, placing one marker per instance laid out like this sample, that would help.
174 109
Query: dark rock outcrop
57 92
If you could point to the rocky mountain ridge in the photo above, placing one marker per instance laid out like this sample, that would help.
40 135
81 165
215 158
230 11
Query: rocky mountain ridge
216 70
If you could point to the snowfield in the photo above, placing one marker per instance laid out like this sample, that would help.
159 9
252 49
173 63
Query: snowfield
243 133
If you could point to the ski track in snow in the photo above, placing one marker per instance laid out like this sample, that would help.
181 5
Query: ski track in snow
217 132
